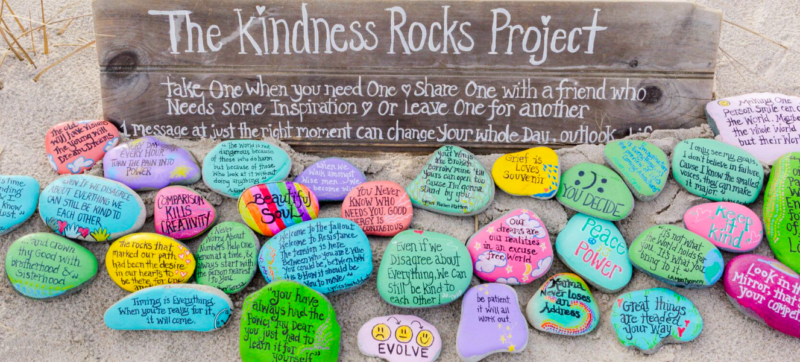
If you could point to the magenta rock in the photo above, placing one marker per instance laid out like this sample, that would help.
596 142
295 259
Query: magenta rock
730 227
75 147
331 178
181 213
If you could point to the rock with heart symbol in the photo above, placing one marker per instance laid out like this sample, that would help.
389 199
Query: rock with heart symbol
563 305
595 190
18 198
331 179
730 227
642 165
142 260
534 172
780 215
233 166
400 338
75 147
379 207
227 258
181 213
269 208
328 255
491 322
149 164
647 319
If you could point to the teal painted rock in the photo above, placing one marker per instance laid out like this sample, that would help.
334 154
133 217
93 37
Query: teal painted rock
90 208
288 321
424 269
642 165
646 319
595 249
491 322
328 255
452 182
18 198
178 307
563 305
44 266
781 214
595 190
677 256
228 257
717 171
233 166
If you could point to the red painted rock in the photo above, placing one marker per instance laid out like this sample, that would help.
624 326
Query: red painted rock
74 147
181 213
380 208
730 227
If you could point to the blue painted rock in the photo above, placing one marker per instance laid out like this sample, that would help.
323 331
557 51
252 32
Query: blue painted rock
142 260
563 305
331 179
179 307
780 211
595 190
491 322
181 213
76 146
595 249
642 165
149 164
18 198
269 208
44 266
646 319
677 256
534 172
730 227
400 338
327 255
717 171
228 257
89 208
233 166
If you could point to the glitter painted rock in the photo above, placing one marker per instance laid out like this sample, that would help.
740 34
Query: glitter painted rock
563 305
534 172
269 208
227 258
400 338
730 227
380 208
18 198
331 179
233 166
595 190
780 213
76 146
491 322
181 213
642 165
142 260
149 164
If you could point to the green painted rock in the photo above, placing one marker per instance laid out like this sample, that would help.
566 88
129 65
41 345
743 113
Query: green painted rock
781 214
717 171
595 190
453 182
642 165
288 321
44 266
227 258
563 305
424 269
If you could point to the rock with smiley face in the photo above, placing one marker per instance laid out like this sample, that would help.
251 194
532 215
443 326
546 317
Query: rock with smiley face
400 338
563 305
642 165
269 208
595 190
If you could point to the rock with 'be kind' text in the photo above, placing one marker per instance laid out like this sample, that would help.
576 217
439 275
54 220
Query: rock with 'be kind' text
642 165
781 215
595 190
730 227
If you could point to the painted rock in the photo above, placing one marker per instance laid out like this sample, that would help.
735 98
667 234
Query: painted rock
643 166
181 213
744 121
563 305
514 249
717 171
233 166
149 164
309 329
423 269
534 172
176 307
766 290
380 208
142 260
271 207
730 227
646 319
44 266
595 190
452 182
327 255
331 179
491 322
74 147
400 338
677 256
90 208
18 198
228 257
780 213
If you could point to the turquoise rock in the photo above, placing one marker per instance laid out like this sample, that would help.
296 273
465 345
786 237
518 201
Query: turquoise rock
18 198
563 305
233 166
642 165
595 190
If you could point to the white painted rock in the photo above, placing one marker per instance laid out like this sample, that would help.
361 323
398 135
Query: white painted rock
400 338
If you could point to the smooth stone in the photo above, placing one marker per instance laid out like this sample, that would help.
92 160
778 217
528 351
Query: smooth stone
271 207
677 256
44 266
717 171
595 190
643 166
233 166
766 290
181 213
423 269
491 322
380 208
90 208
328 255
290 315
563 305
780 213
534 172
149 164
19 195
142 260
400 338
730 227
671 318
200 309
76 146
331 179
452 182
514 249
227 258
595 249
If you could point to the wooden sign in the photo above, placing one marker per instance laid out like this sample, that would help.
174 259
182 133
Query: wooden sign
404 74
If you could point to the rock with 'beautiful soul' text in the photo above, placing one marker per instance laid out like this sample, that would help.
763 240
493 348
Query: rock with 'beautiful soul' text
269 208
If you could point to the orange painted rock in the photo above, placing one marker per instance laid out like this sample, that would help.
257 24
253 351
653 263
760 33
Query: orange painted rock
380 208
271 207
74 147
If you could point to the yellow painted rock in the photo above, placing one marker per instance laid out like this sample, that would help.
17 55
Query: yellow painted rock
534 172
142 260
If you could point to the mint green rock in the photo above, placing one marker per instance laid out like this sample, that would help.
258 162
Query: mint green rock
227 258
233 166
642 165
563 305
780 213
595 190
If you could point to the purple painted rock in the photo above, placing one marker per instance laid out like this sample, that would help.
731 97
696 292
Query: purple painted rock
75 147
331 178
766 290
149 164
491 322
181 213
730 227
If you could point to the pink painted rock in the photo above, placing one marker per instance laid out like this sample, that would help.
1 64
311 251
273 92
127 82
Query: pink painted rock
380 208
766 290
730 227
514 249
74 147
181 213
